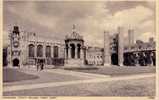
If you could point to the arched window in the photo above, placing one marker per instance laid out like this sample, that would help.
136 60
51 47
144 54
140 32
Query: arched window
56 51
48 51
31 50
39 51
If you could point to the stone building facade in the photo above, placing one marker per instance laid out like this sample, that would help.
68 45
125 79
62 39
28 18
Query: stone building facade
94 56
27 48
134 54
30 49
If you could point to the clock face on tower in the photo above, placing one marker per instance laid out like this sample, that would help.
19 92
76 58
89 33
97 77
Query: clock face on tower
16 44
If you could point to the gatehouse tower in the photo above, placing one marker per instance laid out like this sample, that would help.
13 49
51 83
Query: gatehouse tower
107 57
15 47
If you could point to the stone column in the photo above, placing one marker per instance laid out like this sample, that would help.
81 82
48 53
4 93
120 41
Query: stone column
44 47
120 45
65 53
52 51
35 53
107 57
81 53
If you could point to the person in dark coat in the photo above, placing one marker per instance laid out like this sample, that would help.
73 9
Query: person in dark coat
42 65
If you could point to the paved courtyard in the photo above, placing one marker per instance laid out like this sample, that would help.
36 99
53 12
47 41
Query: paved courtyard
60 82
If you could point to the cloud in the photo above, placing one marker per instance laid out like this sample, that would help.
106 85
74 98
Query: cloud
130 17
139 18
145 36
28 13
122 5
91 18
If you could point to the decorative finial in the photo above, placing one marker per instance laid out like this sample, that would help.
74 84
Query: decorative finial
16 23
74 27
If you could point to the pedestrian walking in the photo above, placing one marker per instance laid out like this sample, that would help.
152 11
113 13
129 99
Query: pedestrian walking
37 66
41 65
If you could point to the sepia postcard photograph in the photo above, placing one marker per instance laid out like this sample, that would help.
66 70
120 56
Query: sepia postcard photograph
79 48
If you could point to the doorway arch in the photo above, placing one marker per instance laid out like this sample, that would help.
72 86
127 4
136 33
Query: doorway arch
16 62
114 59
72 50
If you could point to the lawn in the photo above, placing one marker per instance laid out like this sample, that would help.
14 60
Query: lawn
137 87
12 75
117 70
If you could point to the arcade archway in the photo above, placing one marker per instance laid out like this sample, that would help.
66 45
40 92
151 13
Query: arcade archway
72 50
78 50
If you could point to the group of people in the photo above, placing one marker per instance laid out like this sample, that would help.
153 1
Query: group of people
40 65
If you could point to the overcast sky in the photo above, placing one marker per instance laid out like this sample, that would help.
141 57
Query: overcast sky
55 19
